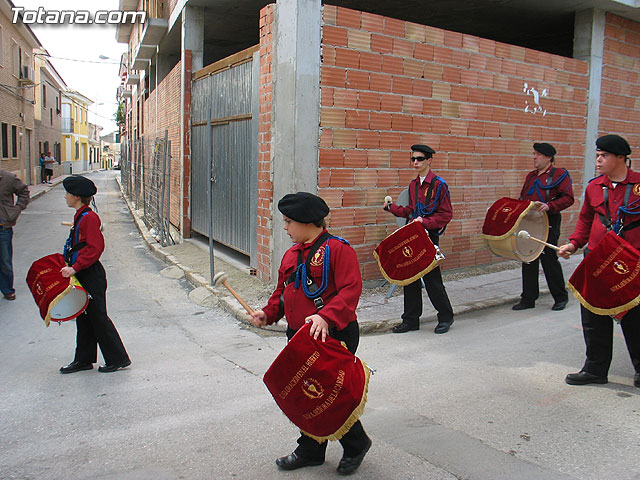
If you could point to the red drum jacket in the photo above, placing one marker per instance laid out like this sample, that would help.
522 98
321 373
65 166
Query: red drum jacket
440 202
589 228
558 197
340 298
89 232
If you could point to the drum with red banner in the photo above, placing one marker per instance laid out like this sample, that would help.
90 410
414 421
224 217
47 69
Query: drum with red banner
58 298
505 219
606 281
320 386
407 254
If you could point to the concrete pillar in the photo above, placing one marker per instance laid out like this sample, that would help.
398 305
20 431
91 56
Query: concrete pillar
191 53
588 45
193 34
296 108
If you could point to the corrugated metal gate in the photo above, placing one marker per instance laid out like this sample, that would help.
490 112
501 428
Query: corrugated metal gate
224 137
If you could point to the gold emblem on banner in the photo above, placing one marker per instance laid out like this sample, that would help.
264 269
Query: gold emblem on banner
407 251
507 209
316 261
636 189
312 388
620 267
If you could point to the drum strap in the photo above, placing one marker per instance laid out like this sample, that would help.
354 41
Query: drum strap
421 211
605 219
549 180
72 245
303 267
427 198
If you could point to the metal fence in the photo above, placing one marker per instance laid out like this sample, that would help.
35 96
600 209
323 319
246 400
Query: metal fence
145 166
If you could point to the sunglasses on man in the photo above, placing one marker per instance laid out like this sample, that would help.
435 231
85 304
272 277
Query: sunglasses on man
418 159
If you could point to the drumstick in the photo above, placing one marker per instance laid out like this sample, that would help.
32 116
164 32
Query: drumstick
525 234
221 277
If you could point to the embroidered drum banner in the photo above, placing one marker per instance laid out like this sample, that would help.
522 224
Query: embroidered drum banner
606 281
407 254
58 298
320 386
505 218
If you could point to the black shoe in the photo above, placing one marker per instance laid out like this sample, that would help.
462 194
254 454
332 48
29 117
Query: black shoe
349 465
293 462
559 305
10 296
584 378
404 328
443 327
636 380
76 366
114 367
523 306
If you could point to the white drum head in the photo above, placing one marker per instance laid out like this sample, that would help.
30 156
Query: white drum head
69 306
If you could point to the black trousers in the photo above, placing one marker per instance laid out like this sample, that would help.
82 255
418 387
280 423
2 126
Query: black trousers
436 292
356 439
550 266
94 327
598 337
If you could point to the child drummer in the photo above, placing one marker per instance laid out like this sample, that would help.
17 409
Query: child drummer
82 254
331 310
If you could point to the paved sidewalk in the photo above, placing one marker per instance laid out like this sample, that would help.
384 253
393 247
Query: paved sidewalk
475 289
40 189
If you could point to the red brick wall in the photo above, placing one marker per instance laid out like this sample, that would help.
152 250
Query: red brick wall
620 97
265 181
167 98
387 84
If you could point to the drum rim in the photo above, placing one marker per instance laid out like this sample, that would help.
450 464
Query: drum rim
56 300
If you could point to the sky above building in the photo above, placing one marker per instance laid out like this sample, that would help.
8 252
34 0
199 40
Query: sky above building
77 52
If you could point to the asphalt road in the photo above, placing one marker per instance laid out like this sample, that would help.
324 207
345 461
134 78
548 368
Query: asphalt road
485 401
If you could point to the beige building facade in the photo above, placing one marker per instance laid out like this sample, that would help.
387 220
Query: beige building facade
17 94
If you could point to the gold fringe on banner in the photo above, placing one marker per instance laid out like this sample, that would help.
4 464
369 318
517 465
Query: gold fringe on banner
603 311
402 283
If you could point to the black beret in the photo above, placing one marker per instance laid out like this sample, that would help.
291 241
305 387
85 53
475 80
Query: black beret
426 149
545 149
613 144
303 207
79 186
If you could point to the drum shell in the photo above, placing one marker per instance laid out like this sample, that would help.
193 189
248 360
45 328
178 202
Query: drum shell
523 249
58 298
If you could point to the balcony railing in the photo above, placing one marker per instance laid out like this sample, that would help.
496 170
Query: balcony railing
67 125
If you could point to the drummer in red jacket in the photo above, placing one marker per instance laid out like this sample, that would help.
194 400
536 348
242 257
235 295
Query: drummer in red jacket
429 204
328 303
611 202
82 254
551 190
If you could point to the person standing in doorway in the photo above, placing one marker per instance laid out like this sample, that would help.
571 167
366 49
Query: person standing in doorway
49 162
